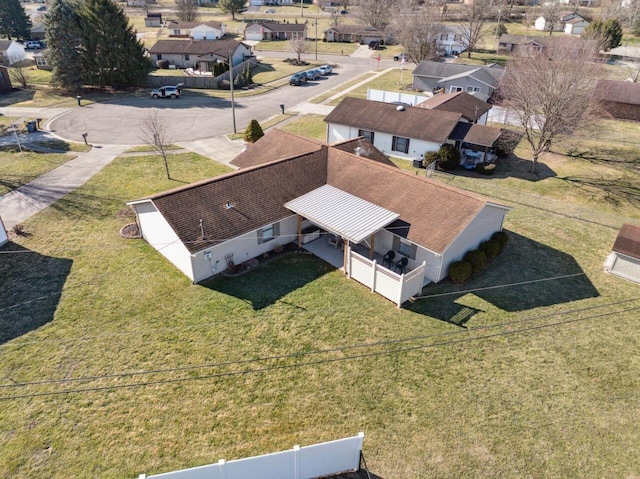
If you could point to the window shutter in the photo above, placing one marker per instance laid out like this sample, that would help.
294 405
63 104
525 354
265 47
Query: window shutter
414 250
276 229
406 147
260 241
393 144
396 243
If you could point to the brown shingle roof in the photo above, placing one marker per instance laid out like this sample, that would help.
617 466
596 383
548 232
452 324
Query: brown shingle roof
189 25
619 91
366 150
434 214
199 47
522 39
476 134
275 145
467 105
345 29
431 214
282 27
411 122
257 195
628 241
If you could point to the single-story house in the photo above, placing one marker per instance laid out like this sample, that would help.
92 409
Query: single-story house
199 54
260 31
451 40
38 31
363 34
624 260
5 80
481 81
472 109
196 30
372 207
11 52
260 3
569 22
619 99
408 132
508 43
153 20
40 57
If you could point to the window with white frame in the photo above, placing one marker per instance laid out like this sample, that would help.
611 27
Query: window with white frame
268 233
455 89
400 144
471 89
40 61
368 135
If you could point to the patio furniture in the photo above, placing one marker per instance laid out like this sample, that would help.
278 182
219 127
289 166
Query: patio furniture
402 264
388 258
335 241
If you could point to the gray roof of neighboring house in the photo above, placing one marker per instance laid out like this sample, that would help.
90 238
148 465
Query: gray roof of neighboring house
522 39
467 105
490 74
5 44
475 134
199 47
281 27
628 241
189 25
619 91
410 122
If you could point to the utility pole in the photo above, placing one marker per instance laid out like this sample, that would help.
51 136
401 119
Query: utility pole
316 38
233 104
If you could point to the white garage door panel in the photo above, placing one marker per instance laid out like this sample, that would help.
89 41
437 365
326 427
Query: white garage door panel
626 267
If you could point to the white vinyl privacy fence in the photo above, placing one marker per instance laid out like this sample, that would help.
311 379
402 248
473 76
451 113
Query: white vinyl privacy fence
391 96
396 287
307 462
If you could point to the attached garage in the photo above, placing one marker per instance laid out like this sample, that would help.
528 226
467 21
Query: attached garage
624 261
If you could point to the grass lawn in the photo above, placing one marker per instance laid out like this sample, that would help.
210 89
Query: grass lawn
148 148
272 69
17 169
264 125
311 126
394 80
333 48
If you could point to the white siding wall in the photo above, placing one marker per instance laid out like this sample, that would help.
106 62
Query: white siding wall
487 222
382 141
205 32
243 247
157 232
625 267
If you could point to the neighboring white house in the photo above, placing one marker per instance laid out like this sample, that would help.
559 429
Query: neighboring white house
260 31
260 3
410 132
11 52
451 41
624 261
200 54
482 81
568 22
575 26
373 206
472 109
196 30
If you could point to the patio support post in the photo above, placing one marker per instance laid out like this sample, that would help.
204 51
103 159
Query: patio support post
299 231
375 273
486 153
373 240
347 257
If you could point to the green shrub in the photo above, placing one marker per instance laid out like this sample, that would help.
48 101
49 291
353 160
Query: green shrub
460 271
501 29
478 260
501 237
253 132
449 157
491 248
162 64
430 157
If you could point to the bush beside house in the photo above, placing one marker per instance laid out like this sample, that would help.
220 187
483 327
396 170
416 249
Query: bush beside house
475 261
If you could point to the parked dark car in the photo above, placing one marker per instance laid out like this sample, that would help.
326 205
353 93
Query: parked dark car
374 45
298 78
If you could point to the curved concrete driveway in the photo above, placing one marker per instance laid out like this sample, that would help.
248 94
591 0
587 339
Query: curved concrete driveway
192 117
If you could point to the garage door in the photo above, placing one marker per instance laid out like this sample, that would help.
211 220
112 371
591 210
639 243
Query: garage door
257 36
626 267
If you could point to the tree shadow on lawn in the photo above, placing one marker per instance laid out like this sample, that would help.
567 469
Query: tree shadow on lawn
268 283
523 261
30 289
614 191
512 167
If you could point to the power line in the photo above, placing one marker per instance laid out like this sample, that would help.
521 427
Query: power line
308 363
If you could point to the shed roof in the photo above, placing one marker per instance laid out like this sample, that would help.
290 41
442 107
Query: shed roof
476 134
619 91
349 216
408 122
628 241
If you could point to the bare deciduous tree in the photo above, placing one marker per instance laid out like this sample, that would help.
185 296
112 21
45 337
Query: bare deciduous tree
335 17
475 17
416 30
298 46
551 13
374 12
187 10
18 73
551 92
155 133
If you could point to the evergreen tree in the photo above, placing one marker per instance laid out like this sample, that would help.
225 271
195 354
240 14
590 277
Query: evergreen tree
232 6
63 41
608 32
111 55
253 132
14 21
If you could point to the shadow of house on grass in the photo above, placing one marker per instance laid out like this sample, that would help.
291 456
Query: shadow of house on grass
523 261
268 283
30 289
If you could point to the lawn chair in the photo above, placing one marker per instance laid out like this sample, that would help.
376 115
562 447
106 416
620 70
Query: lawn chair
402 264
388 258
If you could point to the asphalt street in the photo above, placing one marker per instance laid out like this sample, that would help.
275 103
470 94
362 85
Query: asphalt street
194 116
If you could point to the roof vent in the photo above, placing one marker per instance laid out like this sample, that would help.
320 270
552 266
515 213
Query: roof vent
358 151
228 205
400 108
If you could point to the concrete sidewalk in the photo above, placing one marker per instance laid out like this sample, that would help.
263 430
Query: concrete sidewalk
27 200
218 148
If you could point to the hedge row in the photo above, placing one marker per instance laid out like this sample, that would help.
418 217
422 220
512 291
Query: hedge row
475 261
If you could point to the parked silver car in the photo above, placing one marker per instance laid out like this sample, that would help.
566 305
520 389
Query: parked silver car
172 92
325 70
